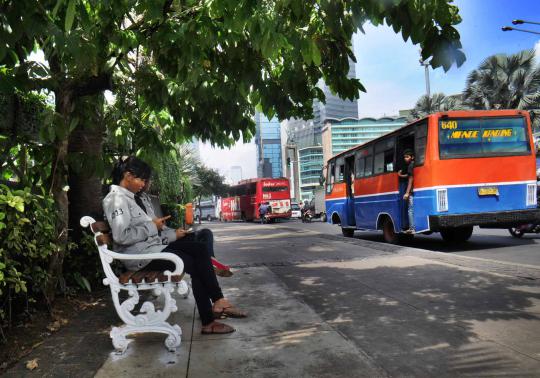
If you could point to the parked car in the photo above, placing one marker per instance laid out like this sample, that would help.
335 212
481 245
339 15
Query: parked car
295 208
206 211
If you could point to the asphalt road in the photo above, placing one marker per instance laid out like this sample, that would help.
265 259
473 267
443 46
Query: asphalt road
410 310
497 245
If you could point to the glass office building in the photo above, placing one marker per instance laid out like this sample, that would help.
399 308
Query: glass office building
305 138
339 135
268 142
310 165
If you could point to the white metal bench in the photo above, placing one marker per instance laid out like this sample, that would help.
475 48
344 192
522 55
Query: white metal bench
149 319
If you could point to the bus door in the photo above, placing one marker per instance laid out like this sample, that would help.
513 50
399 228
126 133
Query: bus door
404 142
349 181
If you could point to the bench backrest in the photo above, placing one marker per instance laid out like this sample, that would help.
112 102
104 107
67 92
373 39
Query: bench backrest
103 239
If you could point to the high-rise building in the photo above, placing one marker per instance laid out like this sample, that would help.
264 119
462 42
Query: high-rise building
339 135
306 137
310 160
334 107
268 142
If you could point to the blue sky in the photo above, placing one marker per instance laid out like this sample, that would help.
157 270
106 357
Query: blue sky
389 68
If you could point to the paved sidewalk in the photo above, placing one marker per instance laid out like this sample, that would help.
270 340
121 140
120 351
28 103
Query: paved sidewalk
281 337
374 313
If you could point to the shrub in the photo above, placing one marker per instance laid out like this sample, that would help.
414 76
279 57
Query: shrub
27 240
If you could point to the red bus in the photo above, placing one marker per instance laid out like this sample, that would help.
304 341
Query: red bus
245 198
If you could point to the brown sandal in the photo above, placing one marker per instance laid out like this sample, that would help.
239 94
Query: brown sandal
222 272
216 328
229 312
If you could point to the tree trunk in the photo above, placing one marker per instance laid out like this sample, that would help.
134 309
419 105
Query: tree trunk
85 174
64 103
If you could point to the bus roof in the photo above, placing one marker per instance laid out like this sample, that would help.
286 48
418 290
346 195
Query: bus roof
257 179
450 113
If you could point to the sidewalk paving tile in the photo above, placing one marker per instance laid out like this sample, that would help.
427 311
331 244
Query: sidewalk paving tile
307 352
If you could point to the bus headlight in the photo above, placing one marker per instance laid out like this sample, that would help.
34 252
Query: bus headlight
442 200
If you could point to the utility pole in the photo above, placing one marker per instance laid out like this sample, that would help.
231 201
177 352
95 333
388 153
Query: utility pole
426 70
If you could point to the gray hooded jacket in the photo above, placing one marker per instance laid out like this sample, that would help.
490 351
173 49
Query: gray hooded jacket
132 229
168 235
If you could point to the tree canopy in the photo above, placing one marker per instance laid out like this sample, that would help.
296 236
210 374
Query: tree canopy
505 82
208 64
188 68
438 102
209 183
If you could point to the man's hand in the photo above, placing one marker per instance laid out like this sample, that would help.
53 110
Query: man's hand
406 196
160 222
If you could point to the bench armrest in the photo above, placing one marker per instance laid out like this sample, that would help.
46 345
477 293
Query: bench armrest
87 221
179 264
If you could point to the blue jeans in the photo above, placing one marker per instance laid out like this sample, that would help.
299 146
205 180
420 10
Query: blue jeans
410 212
403 205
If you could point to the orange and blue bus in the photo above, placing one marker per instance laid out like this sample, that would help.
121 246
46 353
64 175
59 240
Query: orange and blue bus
472 168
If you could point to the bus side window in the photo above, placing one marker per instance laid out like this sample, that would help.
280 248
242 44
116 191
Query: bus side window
331 177
368 168
420 143
389 160
384 155
379 163
341 169
360 164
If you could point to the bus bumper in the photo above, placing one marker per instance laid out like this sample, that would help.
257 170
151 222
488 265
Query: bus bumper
497 219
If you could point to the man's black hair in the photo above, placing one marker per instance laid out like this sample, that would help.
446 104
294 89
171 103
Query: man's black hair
409 152
133 165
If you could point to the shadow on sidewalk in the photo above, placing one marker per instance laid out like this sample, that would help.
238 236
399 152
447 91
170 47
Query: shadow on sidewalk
423 318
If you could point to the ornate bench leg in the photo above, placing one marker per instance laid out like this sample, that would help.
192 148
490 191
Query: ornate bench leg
183 289
149 319
173 332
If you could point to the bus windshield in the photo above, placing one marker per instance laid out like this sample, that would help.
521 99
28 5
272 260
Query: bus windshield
479 137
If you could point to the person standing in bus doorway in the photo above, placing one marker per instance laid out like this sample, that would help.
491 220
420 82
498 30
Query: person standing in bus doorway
407 181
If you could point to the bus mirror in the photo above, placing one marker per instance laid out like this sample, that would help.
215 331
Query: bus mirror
321 179
532 115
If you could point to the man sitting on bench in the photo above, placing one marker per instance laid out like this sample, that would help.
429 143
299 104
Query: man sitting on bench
168 235
135 232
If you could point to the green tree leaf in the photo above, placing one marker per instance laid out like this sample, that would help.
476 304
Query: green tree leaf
70 15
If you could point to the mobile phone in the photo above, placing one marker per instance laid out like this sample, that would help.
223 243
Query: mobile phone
189 230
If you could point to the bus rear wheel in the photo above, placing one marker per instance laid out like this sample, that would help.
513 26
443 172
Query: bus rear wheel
389 234
457 235
516 232
347 232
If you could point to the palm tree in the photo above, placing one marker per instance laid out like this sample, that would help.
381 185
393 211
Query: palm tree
504 82
439 102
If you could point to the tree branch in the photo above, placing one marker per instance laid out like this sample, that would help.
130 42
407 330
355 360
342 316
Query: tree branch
92 85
